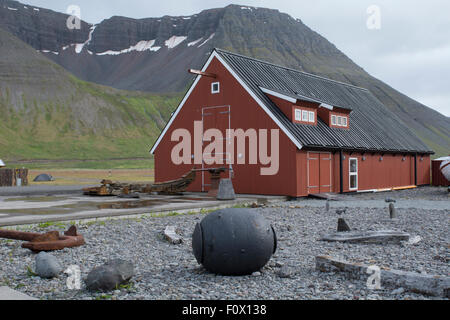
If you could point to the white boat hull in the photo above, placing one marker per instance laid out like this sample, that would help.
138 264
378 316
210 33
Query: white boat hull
445 168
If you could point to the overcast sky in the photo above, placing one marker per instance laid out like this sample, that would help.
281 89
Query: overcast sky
410 51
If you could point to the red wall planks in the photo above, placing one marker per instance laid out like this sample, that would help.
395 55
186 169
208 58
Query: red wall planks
245 114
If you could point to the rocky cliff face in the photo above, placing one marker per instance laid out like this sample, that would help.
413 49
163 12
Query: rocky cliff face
153 54
41 28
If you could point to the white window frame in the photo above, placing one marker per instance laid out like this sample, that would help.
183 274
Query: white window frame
350 174
312 116
333 120
344 121
305 115
212 87
298 115
339 121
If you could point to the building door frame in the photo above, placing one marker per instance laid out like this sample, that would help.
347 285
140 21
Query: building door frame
353 173
209 111
309 158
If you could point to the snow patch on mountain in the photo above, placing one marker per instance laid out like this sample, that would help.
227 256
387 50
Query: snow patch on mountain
79 46
144 45
193 43
210 37
174 41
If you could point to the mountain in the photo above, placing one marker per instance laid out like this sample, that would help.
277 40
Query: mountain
47 113
153 54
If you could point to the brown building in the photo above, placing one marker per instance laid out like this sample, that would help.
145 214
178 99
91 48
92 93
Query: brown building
333 137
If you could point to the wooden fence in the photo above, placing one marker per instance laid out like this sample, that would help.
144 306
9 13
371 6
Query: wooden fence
8 177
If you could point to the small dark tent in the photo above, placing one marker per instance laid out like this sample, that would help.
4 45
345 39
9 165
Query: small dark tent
43 178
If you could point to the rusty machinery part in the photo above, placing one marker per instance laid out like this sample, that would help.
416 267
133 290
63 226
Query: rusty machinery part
109 188
49 241
234 242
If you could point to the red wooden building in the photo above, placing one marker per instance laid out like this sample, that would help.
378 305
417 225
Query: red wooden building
333 137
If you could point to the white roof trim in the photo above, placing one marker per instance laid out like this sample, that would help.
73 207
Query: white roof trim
2 164
242 83
326 106
278 95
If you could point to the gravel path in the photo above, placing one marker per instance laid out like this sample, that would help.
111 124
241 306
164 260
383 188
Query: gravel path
165 271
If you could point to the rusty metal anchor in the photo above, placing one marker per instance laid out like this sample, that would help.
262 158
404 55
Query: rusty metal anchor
49 241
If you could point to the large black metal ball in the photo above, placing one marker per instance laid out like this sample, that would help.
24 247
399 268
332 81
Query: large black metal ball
234 242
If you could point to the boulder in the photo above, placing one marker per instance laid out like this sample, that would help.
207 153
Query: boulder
47 266
286 272
171 235
110 275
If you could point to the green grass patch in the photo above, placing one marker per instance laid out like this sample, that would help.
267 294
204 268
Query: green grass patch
87 164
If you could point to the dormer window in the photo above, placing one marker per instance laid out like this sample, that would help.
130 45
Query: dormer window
339 121
305 116
215 87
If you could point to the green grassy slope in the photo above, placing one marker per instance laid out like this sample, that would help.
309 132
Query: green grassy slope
46 113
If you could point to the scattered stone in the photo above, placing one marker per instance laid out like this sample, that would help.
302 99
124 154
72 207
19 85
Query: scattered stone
47 266
414 240
172 236
110 275
440 258
392 211
398 291
134 240
256 274
341 211
285 272
389 200
342 226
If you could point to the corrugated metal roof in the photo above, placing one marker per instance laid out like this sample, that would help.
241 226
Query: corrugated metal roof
372 126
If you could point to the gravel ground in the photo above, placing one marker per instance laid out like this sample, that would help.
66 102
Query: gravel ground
165 271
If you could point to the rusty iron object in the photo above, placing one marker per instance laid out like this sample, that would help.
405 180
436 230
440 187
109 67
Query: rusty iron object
215 180
110 188
49 241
